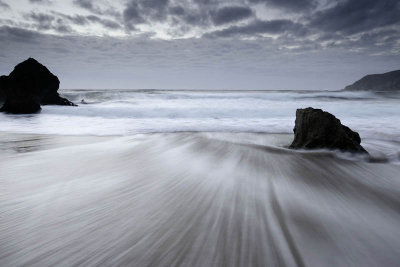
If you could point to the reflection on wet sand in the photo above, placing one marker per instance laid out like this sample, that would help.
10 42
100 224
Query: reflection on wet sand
195 199
22 143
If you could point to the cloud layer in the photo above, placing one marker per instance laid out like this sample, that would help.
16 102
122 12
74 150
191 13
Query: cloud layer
330 23
197 34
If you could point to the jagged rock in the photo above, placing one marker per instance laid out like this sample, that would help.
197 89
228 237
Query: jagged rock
56 99
29 85
389 81
317 129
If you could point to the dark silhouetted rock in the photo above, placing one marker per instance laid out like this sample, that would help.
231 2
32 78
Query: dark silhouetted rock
389 81
28 86
3 86
55 99
17 101
317 129
21 105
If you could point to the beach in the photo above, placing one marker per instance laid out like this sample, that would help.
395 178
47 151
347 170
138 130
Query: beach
193 199
199 133
198 178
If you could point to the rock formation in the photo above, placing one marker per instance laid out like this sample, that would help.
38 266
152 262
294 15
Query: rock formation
28 86
3 85
317 129
389 81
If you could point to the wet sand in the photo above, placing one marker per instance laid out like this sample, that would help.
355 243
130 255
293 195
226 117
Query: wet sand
193 199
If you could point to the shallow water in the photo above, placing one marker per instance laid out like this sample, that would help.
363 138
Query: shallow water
194 199
126 112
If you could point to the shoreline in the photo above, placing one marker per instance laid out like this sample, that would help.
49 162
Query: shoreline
269 142
29 142
134 199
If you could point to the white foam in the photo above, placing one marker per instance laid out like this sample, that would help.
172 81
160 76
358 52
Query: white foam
116 112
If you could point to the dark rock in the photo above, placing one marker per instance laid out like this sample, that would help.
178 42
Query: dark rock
29 85
21 105
3 86
56 99
17 100
317 129
389 81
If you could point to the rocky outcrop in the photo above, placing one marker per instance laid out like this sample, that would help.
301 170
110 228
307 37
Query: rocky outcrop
30 85
317 129
21 104
3 85
389 81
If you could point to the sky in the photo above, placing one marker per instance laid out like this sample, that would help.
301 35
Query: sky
203 44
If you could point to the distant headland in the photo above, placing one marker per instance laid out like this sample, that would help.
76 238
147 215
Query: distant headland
389 81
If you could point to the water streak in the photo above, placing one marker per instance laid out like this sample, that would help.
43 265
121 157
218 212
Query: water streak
189 199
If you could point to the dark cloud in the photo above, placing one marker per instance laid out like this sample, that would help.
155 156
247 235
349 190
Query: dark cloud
177 10
40 1
110 24
140 11
86 4
384 39
197 13
378 42
353 16
132 13
291 5
62 28
231 14
78 19
90 6
205 13
190 12
4 5
154 4
74 19
43 21
62 23
260 27
195 17
16 34
307 25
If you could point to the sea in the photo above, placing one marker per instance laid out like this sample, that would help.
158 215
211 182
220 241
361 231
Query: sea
126 112
198 178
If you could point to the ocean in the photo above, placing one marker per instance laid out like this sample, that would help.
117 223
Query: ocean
198 178
126 112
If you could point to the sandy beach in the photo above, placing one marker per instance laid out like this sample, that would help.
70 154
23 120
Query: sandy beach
199 133
192 199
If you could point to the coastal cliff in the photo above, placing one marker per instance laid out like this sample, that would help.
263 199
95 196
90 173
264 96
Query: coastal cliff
389 81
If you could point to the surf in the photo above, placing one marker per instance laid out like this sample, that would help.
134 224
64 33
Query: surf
195 199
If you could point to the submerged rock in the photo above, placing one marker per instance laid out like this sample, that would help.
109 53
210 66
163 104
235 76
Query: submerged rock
317 129
28 86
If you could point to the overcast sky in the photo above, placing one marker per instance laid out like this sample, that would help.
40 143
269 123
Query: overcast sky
203 44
